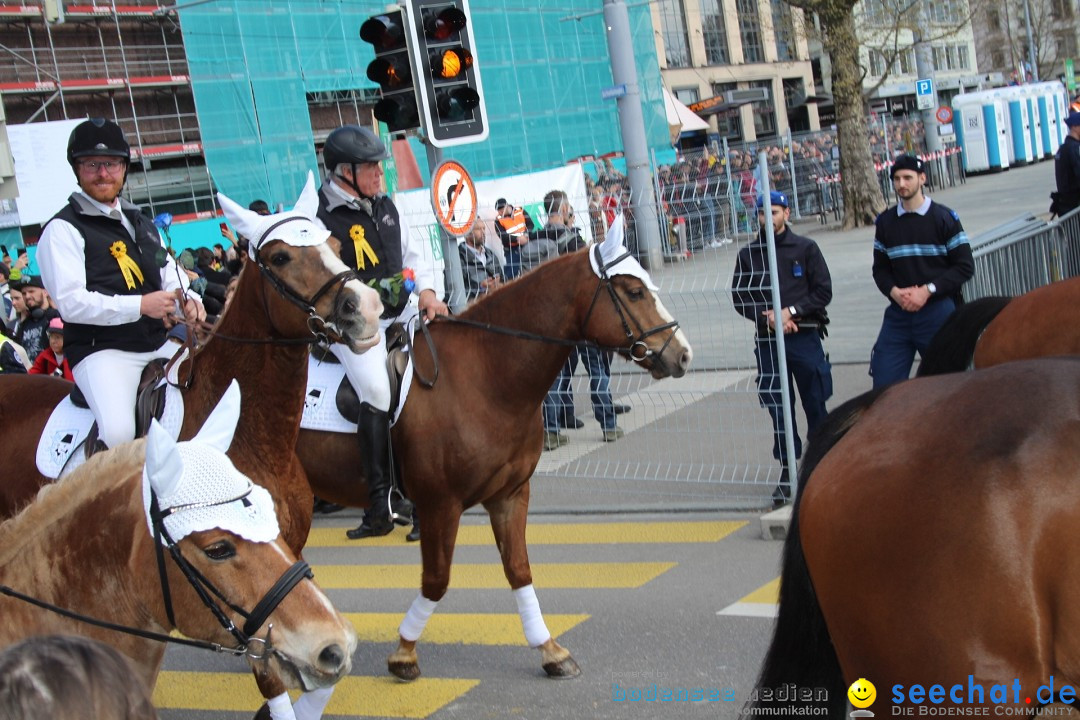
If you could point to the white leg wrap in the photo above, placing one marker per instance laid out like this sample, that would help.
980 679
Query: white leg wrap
310 705
536 632
416 619
281 707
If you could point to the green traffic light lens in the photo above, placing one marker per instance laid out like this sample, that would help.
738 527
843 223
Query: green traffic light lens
457 104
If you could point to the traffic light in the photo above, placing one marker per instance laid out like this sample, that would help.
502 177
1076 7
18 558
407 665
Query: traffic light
392 70
448 80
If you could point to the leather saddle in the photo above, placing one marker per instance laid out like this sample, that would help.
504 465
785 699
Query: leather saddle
149 404
397 359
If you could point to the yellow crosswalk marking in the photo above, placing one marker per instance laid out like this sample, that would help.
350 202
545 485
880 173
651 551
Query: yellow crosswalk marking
760 603
459 628
353 696
553 534
489 576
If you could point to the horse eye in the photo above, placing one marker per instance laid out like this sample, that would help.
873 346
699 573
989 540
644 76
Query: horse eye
220 550
636 293
279 258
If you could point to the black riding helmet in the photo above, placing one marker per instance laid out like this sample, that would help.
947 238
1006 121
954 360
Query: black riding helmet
97 136
353 145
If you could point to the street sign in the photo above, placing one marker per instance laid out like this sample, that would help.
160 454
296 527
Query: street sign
453 198
944 114
615 91
1070 76
924 94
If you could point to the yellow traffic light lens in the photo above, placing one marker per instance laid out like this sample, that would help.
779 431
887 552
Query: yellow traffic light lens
449 64
390 72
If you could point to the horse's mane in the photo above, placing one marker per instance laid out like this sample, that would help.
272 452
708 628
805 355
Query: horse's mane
104 471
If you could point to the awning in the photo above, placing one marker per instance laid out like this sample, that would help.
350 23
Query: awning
680 118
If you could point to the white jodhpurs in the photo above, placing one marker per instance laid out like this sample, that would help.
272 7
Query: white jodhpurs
109 380
367 371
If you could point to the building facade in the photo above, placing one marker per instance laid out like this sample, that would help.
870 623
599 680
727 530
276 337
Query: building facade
1001 37
708 47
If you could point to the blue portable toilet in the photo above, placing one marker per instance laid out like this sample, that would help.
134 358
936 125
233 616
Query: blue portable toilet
1019 135
981 131
1031 97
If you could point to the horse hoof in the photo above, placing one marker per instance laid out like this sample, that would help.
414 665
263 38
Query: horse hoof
563 669
264 712
407 671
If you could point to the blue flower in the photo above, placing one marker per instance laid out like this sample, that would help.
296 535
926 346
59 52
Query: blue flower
164 220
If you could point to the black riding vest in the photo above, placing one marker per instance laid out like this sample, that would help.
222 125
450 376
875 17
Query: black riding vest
382 233
103 275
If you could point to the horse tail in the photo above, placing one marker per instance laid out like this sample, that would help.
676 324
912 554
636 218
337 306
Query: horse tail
801 651
953 347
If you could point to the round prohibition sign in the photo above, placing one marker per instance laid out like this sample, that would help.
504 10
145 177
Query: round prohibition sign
944 114
453 198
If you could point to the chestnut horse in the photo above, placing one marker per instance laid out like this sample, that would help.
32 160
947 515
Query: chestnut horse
475 436
993 330
289 290
87 545
931 543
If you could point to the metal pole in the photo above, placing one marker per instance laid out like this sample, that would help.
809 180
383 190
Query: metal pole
1031 42
632 124
453 283
778 311
924 68
794 182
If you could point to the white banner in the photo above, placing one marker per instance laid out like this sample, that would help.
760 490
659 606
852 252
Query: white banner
41 168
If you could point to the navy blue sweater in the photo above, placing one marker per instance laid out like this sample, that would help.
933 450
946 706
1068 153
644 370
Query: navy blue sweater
913 249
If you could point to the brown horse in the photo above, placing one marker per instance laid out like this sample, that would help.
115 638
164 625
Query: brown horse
993 330
475 436
87 545
931 543
288 293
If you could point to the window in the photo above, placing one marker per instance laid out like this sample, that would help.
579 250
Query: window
728 123
687 95
673 30
875 13
997 58
794 92
937 56
750 30
947 12
714 32
784 30
1066 42
907 60
963 61
764 112
950 57
877 63
993 19
1061 9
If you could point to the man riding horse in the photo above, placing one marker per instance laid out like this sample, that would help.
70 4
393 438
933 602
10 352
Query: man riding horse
106 267
375 240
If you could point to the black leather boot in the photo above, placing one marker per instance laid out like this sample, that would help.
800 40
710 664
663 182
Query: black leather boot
387 507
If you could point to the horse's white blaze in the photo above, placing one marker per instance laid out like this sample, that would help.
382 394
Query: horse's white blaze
679 336
368 297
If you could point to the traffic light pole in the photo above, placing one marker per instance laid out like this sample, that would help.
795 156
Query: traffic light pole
632 124
453 282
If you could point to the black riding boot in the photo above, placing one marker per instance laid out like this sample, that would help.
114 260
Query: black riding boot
387 507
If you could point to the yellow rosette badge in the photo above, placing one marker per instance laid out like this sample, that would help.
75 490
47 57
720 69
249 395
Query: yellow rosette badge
362 247
128 267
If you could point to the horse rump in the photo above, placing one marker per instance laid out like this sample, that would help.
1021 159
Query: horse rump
801 653
953 346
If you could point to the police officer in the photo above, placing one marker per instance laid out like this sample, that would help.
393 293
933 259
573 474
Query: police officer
106 267
921 260
1067 169
805 291
376 241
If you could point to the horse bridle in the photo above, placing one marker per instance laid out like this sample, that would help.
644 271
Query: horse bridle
317 324
638 350
204 588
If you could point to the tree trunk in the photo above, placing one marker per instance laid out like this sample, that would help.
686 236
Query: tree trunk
862 194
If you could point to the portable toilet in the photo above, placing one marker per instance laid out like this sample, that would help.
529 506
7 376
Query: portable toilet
1044 103
1020 152
1031 98
1057 109
981 130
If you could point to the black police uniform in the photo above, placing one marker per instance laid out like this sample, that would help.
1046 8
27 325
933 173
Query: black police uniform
806 286
1067 173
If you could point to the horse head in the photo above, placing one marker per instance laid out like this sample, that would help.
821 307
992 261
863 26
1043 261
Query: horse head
223 536
295 256
626 313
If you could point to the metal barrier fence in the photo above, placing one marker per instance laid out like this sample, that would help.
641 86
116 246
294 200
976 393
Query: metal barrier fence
1023 255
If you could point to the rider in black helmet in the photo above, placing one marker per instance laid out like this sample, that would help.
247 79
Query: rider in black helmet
376 242
106 267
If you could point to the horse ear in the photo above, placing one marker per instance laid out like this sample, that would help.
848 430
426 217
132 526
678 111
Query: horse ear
612 246
163 465
217 431
245 221
308 202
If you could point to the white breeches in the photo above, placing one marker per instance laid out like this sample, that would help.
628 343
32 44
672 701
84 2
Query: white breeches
367 371
109 379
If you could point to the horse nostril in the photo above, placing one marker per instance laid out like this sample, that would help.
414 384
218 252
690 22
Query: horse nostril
348 307
332 658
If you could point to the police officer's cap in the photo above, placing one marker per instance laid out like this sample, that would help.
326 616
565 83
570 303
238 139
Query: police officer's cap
97 137
1073 119
352 144
775 197
906 162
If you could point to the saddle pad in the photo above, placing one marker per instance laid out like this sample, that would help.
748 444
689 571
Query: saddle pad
69 425
320 404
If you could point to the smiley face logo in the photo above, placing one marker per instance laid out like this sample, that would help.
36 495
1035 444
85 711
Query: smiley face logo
862 693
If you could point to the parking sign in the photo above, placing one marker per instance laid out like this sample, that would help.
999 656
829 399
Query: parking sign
924 94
